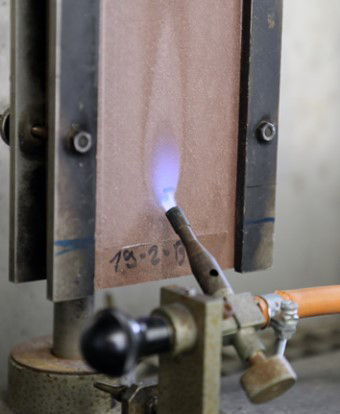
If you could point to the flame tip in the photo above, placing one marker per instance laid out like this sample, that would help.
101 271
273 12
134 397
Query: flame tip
165 171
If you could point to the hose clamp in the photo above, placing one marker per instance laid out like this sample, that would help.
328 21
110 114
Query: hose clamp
284 318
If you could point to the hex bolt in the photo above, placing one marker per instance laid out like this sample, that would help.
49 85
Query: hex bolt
82 142
4 126
39 131
190 292
266 131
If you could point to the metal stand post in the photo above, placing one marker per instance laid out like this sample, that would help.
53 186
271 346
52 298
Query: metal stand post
50 376
69 320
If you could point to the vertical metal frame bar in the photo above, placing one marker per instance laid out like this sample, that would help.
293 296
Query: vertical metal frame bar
73 59
27 253
259 105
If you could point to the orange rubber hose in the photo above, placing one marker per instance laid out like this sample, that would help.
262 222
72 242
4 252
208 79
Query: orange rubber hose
263 305
323 300
315 301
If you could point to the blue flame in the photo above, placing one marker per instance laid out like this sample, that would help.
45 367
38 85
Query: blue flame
165 171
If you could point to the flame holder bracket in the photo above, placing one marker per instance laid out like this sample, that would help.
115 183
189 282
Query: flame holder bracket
198 390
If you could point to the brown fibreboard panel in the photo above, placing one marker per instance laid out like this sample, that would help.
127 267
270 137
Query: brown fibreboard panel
168 70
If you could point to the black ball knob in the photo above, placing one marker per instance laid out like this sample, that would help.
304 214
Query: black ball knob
113 343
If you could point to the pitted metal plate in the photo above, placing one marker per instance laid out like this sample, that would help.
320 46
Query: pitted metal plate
40 383
39 392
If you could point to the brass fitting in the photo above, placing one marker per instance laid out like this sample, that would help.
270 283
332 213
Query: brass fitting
183 326
267 378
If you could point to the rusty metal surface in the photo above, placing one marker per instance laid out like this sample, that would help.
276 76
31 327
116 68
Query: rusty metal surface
259 102
168 71
73 69
37 354
28 170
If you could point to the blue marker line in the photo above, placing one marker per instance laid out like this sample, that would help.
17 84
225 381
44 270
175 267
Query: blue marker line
71 245
260 221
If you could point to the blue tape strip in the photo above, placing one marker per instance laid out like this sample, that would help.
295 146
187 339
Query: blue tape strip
260 221
71 245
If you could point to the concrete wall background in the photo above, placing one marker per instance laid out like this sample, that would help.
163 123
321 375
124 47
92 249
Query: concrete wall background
308 196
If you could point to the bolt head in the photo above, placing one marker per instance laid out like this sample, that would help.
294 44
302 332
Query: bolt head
4 126
266 131
191 292
82 142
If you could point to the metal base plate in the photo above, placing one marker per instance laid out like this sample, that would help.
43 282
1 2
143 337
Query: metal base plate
40 383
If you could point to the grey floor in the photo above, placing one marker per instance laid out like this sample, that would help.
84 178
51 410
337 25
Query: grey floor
316 391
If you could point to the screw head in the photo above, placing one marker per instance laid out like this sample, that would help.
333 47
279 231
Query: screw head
191 292
82 142
266 131
4 126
